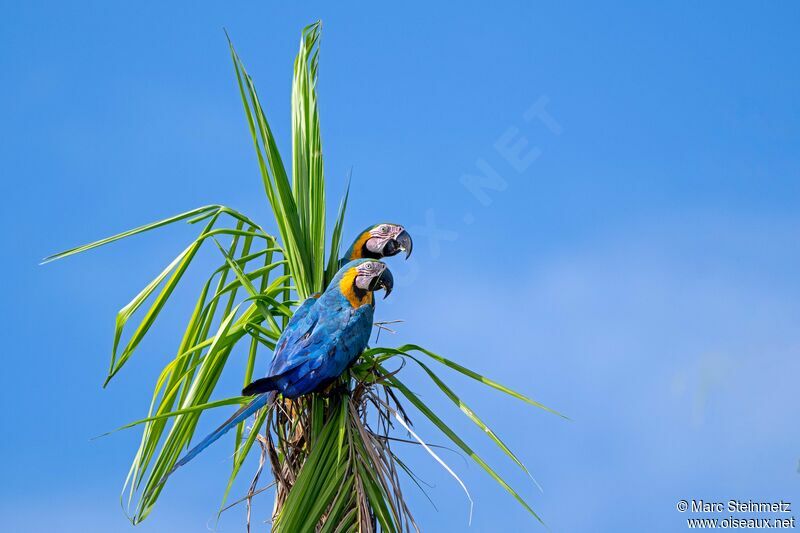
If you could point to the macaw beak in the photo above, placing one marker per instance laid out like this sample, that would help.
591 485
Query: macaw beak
403 241
384 281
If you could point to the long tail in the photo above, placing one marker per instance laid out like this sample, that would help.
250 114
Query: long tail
242 414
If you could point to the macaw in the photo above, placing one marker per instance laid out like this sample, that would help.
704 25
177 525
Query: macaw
375 242
317 346
314 351
378 241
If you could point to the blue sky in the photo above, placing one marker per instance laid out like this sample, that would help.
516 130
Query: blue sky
634 265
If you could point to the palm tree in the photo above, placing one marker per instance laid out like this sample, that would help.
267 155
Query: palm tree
330 454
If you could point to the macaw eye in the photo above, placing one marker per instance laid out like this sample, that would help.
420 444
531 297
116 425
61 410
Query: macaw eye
368 266
384 229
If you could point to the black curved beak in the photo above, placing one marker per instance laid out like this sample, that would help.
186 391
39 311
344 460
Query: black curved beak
404 242
384 281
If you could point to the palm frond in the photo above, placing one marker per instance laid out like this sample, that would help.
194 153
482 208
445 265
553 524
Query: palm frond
330 453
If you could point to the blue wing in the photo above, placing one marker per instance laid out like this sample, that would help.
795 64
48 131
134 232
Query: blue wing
335 342
301 311
317 328
315 349
297 339
356 335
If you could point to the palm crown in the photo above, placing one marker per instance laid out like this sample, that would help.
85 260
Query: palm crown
330 455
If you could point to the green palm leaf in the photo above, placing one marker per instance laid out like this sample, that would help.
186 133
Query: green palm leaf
330 454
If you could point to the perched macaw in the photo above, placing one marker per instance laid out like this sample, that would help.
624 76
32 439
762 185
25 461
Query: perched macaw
378 241
314 350
375 242
319 343
316 346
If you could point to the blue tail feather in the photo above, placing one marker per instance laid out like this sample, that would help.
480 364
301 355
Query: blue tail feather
242 414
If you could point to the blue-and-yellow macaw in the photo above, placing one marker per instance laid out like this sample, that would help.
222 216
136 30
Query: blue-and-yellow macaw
318 345
313 351
378 241
375 242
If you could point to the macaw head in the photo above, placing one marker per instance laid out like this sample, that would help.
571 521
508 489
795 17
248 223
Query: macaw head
372 276
358 279
380 240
